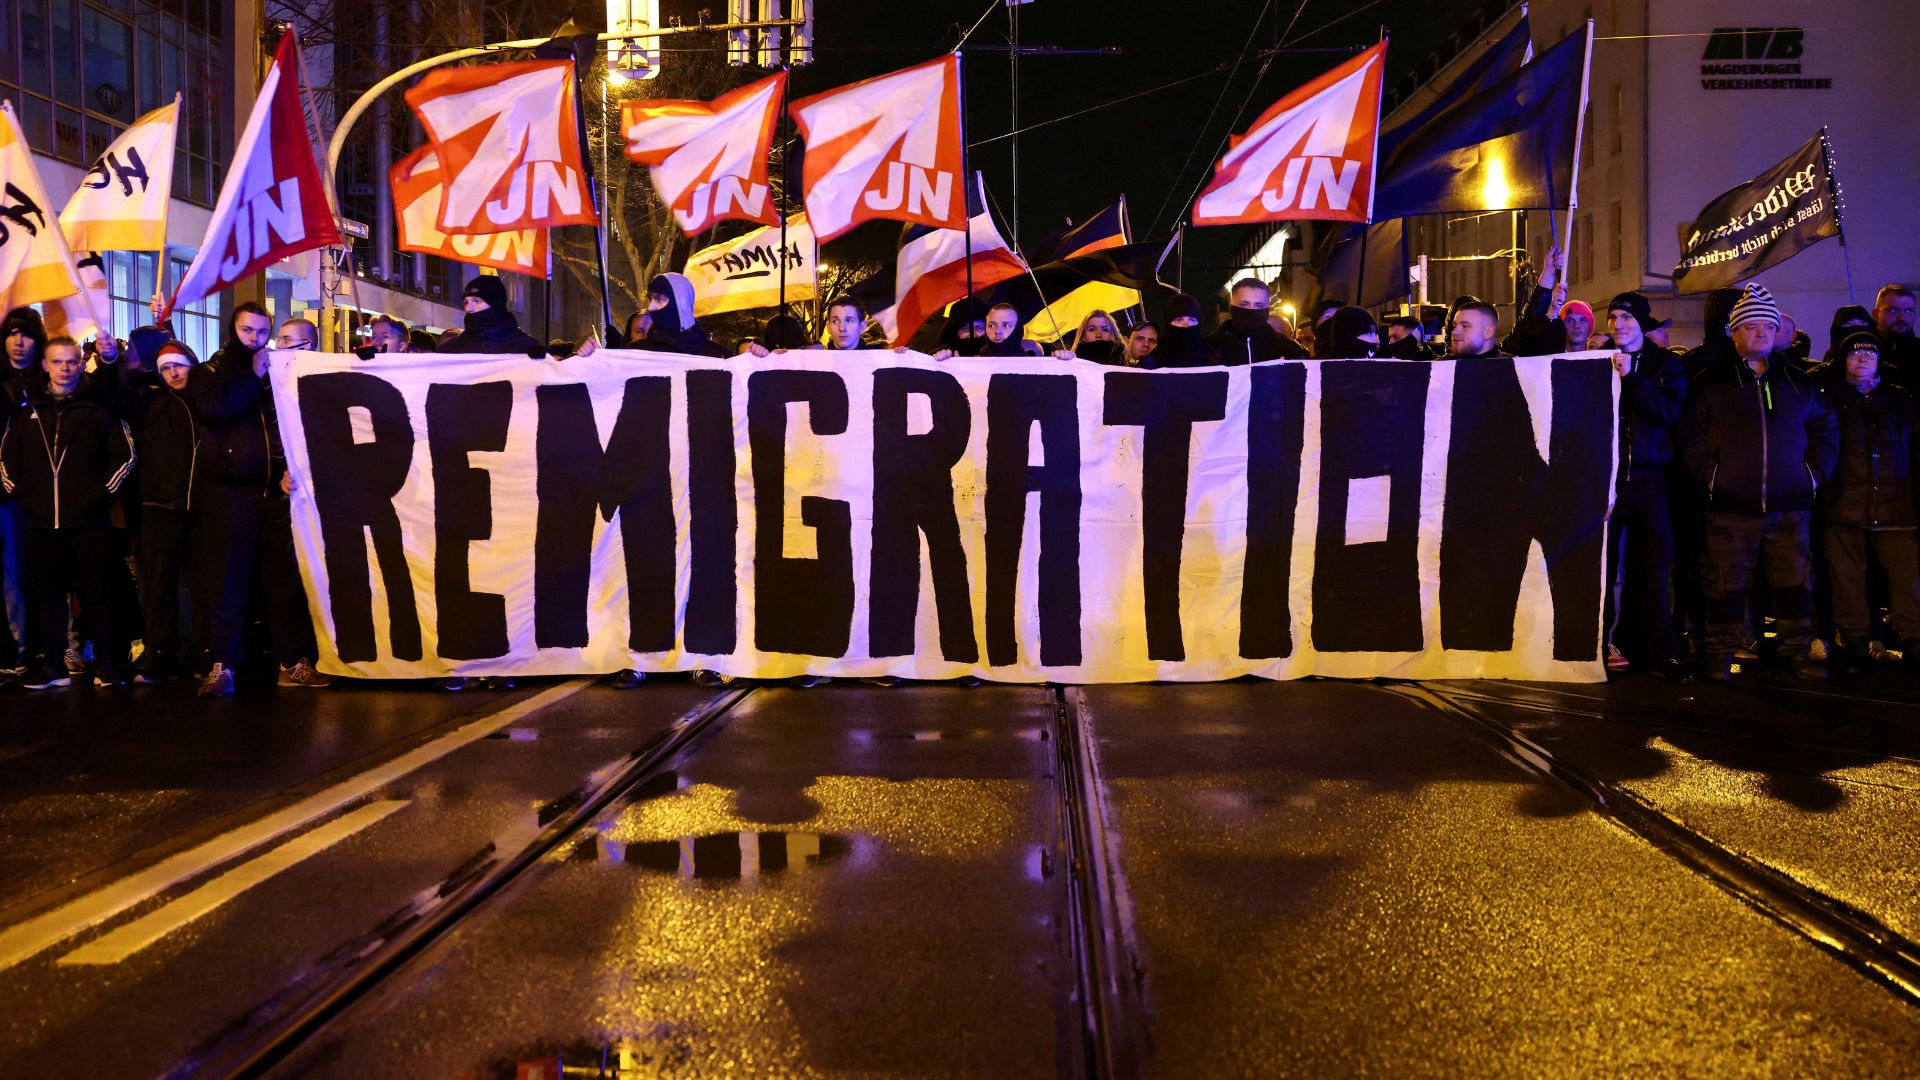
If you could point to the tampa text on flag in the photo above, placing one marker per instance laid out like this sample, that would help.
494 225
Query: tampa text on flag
1510 147
1761 223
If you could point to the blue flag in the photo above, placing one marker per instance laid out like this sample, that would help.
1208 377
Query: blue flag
1510 147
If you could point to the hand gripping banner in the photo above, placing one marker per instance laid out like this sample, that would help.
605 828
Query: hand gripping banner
874 513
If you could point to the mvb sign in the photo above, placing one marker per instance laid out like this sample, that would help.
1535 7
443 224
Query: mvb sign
1309 156
888 147
1756 43
507 139
881 514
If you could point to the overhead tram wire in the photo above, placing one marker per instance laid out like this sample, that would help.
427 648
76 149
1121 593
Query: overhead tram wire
1208 122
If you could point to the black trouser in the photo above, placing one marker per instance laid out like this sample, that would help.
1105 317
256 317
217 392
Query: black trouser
245 535
1898 554
1736 546
1687 512
64 561
165 540
1640 565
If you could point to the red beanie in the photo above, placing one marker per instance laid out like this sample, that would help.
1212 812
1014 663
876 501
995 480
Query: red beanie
1578 307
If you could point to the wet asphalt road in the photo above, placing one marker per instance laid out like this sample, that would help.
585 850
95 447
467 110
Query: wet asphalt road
1246 879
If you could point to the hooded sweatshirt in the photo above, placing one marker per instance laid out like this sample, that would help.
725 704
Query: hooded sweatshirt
674 328
1345 328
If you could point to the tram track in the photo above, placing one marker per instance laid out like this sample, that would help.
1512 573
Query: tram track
274 1031
1855 937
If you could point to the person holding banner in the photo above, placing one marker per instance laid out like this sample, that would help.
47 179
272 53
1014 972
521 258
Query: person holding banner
1760 438
23 337
1003 334
1476 328
671 324
1246 337
1653 394
489 325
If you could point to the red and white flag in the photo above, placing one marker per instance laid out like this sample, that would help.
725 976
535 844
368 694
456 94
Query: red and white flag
1310 156
708 159
273 203
888 147
417 192
931 272
508 144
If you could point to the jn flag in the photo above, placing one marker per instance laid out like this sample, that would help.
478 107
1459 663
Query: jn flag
888 147
417 192
122 201
1761 223
35 263
1310 156
708 160
508 144
273 203
1511 147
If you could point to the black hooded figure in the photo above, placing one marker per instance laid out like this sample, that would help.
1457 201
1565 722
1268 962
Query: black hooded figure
783 331
966 329
1182 346
492 329
1347 331
673 328
16 381
1847 319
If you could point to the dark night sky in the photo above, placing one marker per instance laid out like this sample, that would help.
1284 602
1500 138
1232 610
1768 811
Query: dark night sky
1072 169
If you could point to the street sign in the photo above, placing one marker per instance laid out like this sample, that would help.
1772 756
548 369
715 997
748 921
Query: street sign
354 228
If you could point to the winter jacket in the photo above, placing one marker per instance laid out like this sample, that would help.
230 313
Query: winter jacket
1232 344
239 438
1900 361
1758 444
1535 333
493 330
1181 347
65 458
165 431
1872 486
693 341
1653 396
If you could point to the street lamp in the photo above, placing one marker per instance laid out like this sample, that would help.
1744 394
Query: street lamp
637 58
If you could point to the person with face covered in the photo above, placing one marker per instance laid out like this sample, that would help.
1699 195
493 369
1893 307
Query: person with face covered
671 325
246 526
67 494
149 391
489 326
1183 343
1351 335
1247 337
1847 319
23 339
1869 507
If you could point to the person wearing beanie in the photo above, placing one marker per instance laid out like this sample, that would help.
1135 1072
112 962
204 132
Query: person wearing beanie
1640 542
245 523
1351 335
1182 341
1867 512
24 338
1761 439
1847 319
489 326
1246 337
1406 339
781 332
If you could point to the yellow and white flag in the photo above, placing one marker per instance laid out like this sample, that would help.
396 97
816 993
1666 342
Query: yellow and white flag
745 272
36 265
122 201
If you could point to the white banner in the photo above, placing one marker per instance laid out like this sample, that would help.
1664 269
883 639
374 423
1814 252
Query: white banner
861 514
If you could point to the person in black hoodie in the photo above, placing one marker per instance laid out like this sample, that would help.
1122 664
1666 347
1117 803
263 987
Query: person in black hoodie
489 326
1870 502
1653 394
23 340
1247 337
1846 319
1761 438
1351 335
673 327
64 457
241 493
1182 343
149 391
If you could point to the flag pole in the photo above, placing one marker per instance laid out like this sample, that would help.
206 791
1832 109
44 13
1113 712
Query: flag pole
333 204
966 229
1839 207
593 183
1579 135
166 218
786 174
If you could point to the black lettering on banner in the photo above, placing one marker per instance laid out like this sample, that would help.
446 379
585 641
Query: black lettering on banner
913 494
1276 421
462 419
577 479
353 494
799 605
1014 404
1167 405
1501 497
713 515
1366 596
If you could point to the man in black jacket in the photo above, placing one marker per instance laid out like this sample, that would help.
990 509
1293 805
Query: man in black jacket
1761 438
1653 393
1474 331
242 487
490 326
1247 337
149 391
1893 317
23 340
1870 503
63 457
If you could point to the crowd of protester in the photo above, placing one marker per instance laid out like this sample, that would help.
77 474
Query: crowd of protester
1764 509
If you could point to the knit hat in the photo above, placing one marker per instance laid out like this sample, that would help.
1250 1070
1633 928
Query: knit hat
783 331
173 353
1182 306
1636 305
1577 307
1860 339
1755 303
25 320
490 289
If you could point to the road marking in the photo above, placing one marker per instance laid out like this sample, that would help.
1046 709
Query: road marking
43 931
151 927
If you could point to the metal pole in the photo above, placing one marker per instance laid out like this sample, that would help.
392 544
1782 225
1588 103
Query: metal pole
593 191
785 203
1013 98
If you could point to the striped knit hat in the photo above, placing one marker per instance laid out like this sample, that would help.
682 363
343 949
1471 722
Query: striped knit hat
1755 303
